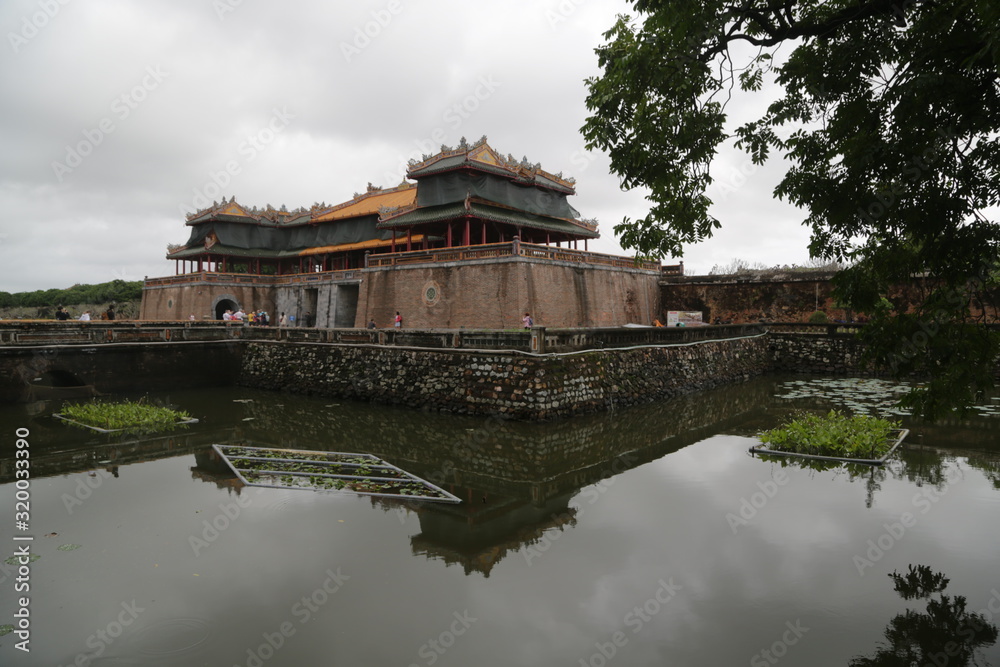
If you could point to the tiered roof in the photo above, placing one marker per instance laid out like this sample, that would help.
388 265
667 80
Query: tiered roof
481 157
370 218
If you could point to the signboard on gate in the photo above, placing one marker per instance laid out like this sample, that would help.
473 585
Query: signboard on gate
683 316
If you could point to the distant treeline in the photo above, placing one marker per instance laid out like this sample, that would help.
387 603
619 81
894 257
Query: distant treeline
114 291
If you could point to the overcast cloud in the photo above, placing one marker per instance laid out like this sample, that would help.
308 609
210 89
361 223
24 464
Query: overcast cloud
117 116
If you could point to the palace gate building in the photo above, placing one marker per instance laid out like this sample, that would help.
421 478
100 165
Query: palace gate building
473 239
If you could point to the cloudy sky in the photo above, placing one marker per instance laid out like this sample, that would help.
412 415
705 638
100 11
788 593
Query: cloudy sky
119 116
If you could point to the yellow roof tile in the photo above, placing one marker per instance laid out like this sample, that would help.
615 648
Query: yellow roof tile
369 203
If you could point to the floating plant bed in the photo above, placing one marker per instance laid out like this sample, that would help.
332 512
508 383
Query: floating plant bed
185 422
895 439
364 474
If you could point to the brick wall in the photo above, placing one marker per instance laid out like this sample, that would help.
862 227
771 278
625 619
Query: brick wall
497 294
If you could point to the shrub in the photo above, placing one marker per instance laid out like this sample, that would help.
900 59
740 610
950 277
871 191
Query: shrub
819 317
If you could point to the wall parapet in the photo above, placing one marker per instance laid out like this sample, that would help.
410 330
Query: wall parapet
33 333
508 383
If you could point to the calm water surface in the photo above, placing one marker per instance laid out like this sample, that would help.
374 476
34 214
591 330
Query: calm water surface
641 537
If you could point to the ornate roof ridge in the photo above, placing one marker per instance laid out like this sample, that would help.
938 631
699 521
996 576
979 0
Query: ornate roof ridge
522 169
268 212
372 191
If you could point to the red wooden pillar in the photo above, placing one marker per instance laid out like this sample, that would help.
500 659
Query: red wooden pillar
448 234
409 238
392 247
467 240
484 232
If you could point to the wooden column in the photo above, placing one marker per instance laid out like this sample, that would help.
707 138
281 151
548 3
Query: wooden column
467 239
484 232
409 238
448 234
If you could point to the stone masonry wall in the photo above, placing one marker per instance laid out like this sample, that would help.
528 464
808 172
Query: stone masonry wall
509 384
817 354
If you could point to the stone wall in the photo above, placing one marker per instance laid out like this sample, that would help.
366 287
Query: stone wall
179 302
751 300
54 371
817 354
510 384
495 294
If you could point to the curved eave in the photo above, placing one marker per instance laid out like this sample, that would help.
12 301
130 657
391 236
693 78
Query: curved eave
434 170
511 217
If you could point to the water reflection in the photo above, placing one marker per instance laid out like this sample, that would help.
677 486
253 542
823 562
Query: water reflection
565 527
944 633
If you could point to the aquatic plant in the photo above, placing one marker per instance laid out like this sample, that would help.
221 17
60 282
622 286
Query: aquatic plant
130 415
833 434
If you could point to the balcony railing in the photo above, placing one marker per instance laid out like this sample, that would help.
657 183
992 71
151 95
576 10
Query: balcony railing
515 248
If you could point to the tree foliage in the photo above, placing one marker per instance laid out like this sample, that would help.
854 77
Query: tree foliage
109 292
887 114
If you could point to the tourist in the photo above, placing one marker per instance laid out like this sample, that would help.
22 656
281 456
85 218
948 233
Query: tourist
110 312
371 324
191 317
262 318
528 322
282 320
61 314
227 316
310 319
239 315
398 321
85 317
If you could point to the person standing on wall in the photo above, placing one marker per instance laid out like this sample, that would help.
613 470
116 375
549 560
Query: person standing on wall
528 322
398 321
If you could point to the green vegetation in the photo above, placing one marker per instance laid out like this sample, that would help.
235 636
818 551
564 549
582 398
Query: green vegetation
128 415
114 291
885 117
819 317
834 434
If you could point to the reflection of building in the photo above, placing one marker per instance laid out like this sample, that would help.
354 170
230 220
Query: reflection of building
479 240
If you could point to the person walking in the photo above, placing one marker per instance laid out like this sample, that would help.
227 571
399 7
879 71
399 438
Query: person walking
528 322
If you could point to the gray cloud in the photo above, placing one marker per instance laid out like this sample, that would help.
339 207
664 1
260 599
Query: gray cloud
162 95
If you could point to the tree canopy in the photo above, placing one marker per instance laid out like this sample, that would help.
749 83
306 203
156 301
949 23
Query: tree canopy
887 114
109 292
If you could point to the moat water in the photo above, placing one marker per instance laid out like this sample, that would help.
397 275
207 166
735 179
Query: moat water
641 537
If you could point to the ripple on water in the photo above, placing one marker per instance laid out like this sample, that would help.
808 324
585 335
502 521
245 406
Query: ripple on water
172 636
